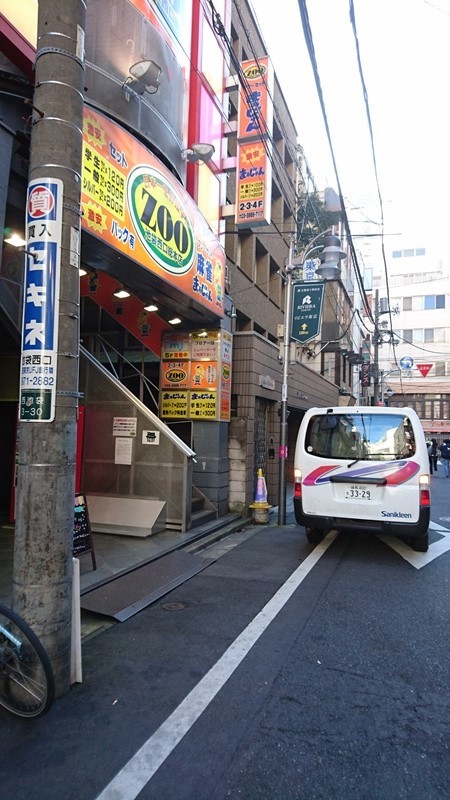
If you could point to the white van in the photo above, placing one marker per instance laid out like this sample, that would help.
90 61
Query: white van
362 469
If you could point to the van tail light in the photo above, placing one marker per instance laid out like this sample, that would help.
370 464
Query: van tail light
424 491
297 483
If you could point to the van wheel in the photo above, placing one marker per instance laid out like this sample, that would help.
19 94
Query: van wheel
314 535
420 543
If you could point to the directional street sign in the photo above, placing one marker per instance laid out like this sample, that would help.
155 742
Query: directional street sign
306 311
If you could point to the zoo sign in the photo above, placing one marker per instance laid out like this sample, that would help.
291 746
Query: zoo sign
134 204
160 220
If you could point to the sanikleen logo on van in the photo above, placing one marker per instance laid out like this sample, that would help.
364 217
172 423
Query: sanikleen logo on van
396 514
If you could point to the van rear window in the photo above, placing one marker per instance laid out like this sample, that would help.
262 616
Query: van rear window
365 437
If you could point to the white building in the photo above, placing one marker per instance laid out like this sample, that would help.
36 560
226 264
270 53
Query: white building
417 366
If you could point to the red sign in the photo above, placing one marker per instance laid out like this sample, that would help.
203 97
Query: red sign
424 369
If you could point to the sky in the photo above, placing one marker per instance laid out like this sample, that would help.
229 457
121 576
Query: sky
405 54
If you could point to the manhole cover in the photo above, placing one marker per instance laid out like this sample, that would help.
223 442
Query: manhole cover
173 606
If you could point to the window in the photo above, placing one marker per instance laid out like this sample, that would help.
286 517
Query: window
432 301
424 335
419 251
407 304
365 436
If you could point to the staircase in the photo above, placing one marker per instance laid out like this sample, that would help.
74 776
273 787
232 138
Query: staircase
202 510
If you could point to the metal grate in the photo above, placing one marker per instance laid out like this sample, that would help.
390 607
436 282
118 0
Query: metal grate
126 595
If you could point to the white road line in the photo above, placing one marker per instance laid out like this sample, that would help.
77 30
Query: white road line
132 778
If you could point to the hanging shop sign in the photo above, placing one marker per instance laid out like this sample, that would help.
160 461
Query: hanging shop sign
38 363
195 375
253 185
365 372
255 112
134 204
254 150
307 311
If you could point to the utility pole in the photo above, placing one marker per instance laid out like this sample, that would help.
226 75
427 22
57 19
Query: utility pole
42 573
283 453
376 344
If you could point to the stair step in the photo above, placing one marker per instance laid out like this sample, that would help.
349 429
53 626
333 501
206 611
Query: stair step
199 517
197 504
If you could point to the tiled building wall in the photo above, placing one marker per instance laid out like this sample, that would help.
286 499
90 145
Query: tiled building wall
255 360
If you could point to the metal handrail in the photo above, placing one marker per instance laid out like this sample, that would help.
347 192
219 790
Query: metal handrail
149 385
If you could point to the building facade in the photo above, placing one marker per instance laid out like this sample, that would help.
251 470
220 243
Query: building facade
181 299
414 362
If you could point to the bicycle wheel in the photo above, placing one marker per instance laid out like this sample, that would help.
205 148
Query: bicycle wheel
27 686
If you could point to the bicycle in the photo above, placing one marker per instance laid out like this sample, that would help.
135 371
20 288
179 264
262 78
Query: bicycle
27 685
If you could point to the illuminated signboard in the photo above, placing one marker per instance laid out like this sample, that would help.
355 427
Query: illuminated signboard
254 173
203 368
133 203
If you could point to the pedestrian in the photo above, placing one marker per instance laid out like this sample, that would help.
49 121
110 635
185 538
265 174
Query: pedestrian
434 453
445 455
430 456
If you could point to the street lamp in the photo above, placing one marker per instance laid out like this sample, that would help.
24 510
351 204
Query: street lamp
330 257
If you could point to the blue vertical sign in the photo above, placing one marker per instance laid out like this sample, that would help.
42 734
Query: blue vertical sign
38 363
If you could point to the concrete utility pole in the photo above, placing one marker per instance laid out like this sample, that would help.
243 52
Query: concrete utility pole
42 575
283 452
376 345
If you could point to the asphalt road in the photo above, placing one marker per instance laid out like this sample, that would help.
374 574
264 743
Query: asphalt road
338 690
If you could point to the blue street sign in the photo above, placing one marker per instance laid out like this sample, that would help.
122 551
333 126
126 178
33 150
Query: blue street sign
41 301
406 362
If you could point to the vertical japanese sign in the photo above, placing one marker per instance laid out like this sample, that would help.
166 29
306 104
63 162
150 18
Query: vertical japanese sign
365 372
307 311
255 117
38 363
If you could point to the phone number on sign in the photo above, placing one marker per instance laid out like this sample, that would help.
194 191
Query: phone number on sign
37 380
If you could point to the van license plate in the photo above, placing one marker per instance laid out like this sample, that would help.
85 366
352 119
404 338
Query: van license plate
357 493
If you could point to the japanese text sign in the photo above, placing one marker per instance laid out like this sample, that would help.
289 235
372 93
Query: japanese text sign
307 311
133 203
38 364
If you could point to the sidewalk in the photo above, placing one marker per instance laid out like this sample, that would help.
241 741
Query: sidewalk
116 555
